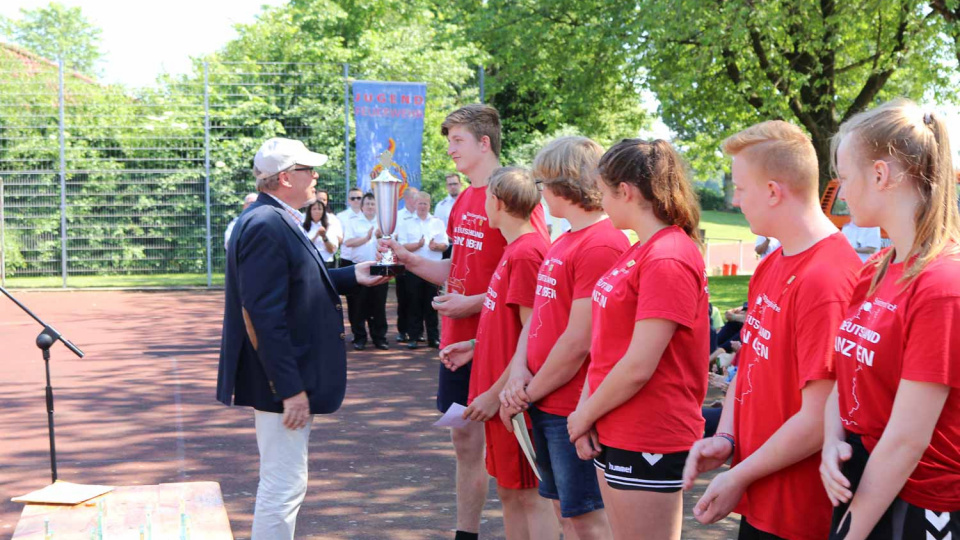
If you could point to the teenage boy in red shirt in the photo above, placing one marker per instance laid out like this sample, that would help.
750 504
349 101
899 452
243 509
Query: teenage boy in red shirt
473 142
772 422
552 356
511 199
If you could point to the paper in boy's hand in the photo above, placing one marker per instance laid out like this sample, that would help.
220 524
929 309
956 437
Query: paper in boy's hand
453 417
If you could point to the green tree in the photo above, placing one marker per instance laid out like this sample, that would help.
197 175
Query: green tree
57 31
556 63
379 39
719 65
950 11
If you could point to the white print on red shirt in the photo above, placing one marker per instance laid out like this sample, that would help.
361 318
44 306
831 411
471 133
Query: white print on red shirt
601 299
867 316
471 226
755 336
490 302
545 288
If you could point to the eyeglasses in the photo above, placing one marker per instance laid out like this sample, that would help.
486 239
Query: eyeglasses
311 169
356 198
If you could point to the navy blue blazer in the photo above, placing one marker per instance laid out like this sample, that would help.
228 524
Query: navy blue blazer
283 320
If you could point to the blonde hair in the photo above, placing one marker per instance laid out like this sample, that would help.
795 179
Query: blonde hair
782 150
515 188
657 171
479 119
568 168
919 143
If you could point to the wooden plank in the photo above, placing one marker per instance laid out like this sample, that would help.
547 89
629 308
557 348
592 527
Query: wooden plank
126 509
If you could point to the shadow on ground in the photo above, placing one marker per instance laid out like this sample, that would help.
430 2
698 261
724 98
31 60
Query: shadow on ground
141 409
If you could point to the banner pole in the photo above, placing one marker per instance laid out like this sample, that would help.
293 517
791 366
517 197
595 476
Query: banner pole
346 134
3 240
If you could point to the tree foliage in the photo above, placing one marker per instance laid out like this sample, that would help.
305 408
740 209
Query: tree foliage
57 31
719 65
556 63
949 10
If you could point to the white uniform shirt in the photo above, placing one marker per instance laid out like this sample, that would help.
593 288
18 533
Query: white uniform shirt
345 218
860 237
334 234
403 214
774 244
442 209
411 230
229 231
334 221
357 227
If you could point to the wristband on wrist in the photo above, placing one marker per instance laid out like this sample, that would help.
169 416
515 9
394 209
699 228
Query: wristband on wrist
473 343
727 436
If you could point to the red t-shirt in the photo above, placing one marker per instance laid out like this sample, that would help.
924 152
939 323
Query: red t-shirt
477 249
512 286
796 304
661 279
573 265
910 333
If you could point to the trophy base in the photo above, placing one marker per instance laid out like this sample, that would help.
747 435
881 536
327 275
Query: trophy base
390 270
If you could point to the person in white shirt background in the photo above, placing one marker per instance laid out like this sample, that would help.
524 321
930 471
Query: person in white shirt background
323 229
324 197
865 240
443 208
247 201
403 308
369 306
444 205
426 236
354 196
766 245
354 199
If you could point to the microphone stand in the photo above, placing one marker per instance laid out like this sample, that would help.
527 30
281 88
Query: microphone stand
45 340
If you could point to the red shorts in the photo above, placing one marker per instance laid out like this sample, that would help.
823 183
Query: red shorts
505 459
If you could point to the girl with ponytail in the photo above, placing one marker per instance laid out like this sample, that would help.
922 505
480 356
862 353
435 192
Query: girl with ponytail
891 455
639 413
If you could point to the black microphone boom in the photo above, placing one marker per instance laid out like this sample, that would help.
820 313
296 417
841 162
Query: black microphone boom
45 340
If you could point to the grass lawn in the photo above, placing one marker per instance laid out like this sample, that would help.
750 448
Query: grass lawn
728 291
152 280
720 226
727 225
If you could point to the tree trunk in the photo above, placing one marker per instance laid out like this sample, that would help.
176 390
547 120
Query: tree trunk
728 190
821 144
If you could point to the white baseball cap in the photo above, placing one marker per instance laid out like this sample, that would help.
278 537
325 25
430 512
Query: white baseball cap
279 154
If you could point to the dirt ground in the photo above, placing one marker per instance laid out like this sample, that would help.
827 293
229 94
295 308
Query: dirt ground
140 408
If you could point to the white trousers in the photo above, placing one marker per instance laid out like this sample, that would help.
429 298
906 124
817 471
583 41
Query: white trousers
283 476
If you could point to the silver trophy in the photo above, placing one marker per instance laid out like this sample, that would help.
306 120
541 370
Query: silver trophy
386 190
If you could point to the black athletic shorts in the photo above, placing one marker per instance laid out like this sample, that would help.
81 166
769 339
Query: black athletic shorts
453 387
902 520
749 532
641 471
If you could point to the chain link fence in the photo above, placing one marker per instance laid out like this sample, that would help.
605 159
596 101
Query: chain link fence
96 180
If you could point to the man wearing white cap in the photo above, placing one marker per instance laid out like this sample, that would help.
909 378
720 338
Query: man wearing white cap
282 350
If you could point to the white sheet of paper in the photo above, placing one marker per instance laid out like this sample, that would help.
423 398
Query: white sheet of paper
453 417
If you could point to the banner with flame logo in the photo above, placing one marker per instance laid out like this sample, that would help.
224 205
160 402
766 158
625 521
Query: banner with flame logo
389 121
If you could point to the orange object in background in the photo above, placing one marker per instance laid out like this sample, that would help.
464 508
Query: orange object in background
837 210
726 269
733 269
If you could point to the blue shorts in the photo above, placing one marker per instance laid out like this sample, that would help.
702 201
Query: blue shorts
565 477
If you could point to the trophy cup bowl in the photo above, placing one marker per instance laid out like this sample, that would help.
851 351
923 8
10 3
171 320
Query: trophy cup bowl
386 190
